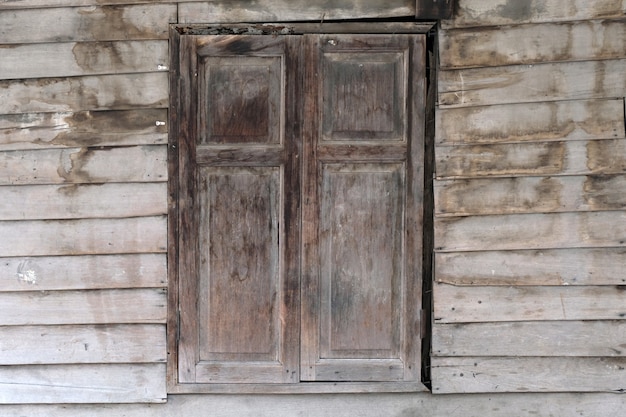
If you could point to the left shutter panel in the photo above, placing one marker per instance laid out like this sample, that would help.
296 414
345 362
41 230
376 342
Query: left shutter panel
239 239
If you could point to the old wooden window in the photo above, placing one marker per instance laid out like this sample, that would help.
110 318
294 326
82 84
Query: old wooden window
296 176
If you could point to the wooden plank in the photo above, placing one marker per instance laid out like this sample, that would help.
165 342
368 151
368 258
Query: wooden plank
532 83
68 59
38 384
553 338
290 10
82 237
97 128
454 304
104 92
603 157
84 165
603 266
82 272
529 195
41 202
475 374
146 305
524 122
531 231
433 9
29 345
45 4
82 24
503 12
526 44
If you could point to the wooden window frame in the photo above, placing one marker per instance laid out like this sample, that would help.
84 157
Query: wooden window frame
173 323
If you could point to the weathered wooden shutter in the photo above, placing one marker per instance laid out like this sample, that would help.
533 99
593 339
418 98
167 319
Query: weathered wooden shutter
239 205
363 181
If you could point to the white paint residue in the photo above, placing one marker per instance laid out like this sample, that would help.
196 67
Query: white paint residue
161 67
160 123
26 272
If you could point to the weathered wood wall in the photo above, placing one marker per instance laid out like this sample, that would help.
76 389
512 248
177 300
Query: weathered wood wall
83 198
530 219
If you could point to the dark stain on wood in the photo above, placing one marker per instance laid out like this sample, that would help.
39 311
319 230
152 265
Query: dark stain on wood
603 191
607 156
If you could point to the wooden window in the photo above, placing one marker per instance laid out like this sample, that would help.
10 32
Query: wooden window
296 176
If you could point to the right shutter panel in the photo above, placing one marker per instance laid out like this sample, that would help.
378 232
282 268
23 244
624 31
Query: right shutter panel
362 208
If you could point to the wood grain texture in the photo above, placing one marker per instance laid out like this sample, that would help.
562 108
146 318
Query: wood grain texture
83 307
71 59
571 120
529 195
545 339
370 405
38 384
46 273
285 10
598 157
69 129
531 231
603 266
476 374
454 304
83 237
503 12
34 345
84 165
532 83
104 92
526 44
82 24
43 202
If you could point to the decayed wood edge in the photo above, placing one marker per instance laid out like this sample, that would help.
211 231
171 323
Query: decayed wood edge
602 266
454 304
472 13
565 374
83 128
95 92
88 383
519 195
83 237
120 306
48 273
81 201
84 165
389 405
298 28
532 83
525 44
72 59
551 158
509 123
531 231
85 24
286 10
545 339
74 344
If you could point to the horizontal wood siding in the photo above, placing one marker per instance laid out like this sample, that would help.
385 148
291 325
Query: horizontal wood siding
530 219
83 185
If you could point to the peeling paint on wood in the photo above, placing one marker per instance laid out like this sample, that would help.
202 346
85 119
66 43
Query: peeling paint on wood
509 12
104 92
80 24
532 83
77 129
561 120
603 266
545 303
74 272
70 59
84 165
